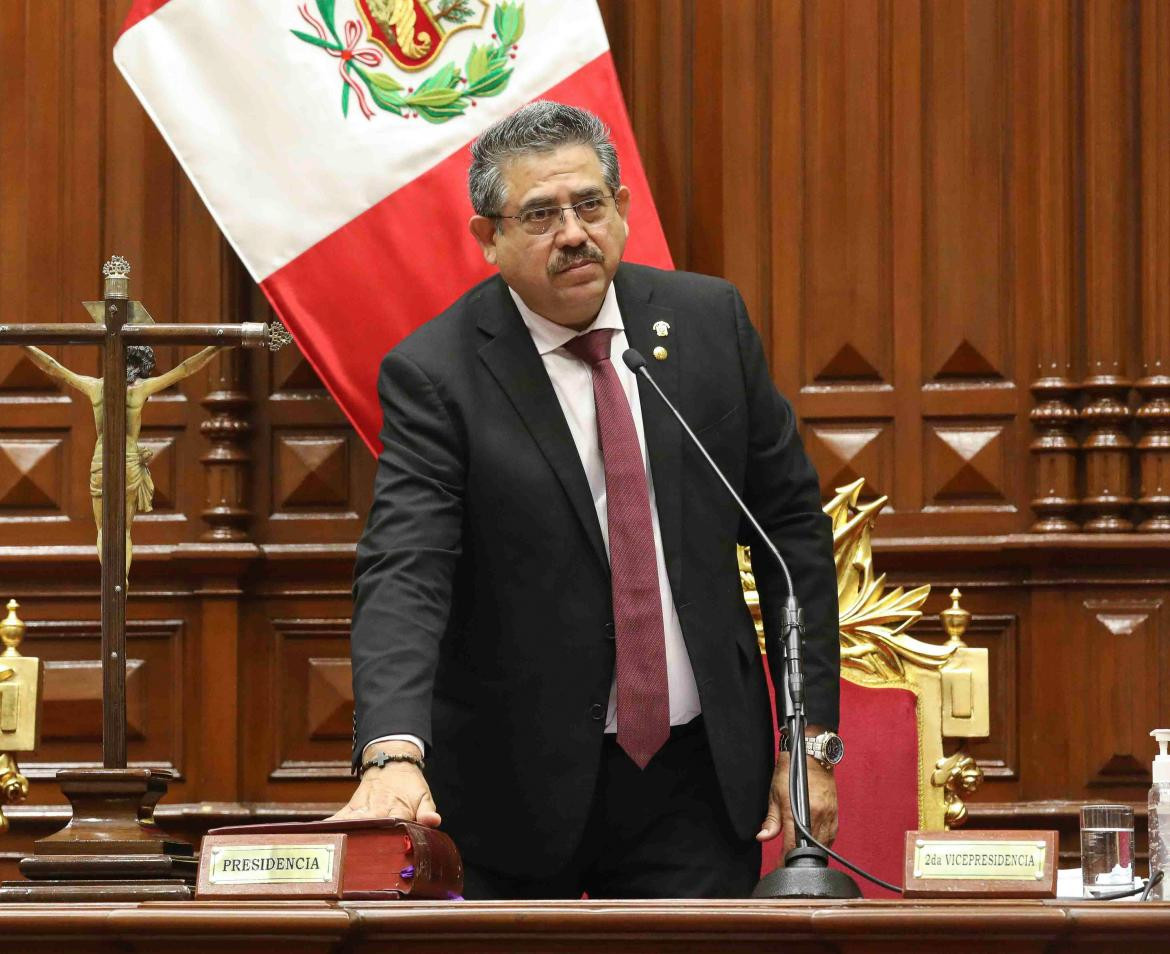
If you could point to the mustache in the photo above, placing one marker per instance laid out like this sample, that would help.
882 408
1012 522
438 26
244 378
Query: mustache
567 258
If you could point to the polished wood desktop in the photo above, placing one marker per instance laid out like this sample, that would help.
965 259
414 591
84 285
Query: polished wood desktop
594 926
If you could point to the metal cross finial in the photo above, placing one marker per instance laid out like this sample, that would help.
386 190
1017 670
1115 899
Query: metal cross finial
116 267
278 336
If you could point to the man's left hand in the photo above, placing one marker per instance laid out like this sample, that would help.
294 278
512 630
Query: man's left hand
822 799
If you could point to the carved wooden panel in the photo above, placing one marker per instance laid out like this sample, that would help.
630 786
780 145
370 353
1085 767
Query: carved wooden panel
1121 649
314 477
844 451
313 697
847 215
312 472
967 239
72 726
967 464
33 472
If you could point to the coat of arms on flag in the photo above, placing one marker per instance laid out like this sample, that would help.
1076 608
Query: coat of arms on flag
355 225
410 33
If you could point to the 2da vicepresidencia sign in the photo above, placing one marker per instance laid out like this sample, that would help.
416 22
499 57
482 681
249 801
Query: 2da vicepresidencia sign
989 864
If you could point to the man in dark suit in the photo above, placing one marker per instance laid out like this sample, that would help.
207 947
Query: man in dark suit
547 602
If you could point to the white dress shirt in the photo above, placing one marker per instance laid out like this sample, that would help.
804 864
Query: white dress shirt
572 381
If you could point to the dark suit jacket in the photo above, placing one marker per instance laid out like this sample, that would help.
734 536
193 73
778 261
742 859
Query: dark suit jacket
482 615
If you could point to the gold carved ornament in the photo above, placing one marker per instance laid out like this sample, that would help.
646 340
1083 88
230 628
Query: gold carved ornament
20 709
950 680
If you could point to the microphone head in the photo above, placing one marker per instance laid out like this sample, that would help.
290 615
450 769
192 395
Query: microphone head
634 360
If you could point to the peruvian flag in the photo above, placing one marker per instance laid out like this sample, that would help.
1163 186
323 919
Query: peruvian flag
330 141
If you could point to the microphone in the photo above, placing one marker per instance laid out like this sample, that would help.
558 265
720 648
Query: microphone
805 873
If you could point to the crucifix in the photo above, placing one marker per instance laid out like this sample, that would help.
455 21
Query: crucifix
112 805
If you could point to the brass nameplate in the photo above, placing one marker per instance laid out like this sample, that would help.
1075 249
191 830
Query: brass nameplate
272 864
279 865
981 864
1011 860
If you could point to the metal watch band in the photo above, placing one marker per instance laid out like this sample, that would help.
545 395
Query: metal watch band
817 747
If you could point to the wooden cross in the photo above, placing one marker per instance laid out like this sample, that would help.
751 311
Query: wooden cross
120 323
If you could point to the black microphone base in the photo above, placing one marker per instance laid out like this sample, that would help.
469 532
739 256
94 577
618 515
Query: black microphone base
806 874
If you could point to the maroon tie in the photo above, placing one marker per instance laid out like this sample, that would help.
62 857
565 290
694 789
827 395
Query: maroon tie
643 703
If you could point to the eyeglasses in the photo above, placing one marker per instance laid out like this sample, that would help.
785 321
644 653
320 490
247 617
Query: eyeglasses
591 211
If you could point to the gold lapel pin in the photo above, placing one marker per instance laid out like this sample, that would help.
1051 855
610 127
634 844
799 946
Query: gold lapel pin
660 353
661 328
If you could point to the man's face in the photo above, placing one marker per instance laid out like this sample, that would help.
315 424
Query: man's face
563 274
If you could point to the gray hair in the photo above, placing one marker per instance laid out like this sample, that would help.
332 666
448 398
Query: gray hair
541 126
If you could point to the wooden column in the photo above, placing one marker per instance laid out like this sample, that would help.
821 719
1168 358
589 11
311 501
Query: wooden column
1109 179
1154 386
228 460
1044 301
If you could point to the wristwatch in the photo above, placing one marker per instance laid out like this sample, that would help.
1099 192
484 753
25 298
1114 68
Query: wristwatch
827 748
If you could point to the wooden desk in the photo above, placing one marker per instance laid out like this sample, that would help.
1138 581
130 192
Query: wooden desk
1006 927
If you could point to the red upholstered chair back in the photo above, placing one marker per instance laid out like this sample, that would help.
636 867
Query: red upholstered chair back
877 783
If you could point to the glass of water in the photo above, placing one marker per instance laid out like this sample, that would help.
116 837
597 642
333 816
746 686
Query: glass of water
1106 849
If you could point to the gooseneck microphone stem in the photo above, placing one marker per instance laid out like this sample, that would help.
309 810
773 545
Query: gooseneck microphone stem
805 873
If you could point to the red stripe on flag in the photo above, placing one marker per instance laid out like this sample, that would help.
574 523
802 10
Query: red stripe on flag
359 291
140 10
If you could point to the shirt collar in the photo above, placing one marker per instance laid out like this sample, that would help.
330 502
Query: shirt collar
548 335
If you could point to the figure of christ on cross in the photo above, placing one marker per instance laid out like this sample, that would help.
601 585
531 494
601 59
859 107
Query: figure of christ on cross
119 478
140 387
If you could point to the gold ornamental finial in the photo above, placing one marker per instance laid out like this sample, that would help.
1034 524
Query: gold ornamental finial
955 620
12 630
116 273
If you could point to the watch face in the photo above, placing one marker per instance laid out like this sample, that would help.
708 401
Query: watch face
834 749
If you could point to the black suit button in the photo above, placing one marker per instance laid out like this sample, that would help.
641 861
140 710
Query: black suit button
610 632
597 711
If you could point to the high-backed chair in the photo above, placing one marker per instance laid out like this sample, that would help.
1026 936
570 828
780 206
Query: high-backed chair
901 699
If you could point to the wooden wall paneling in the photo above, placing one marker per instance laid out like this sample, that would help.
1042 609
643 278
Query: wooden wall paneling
216 694
1092 692
704 243
314 690
313 476
969 397
295 665
832 337
1154 385
651 45
907 254
848 340
1121 652
48 139
743 91
155 694
1042 71
786 187
1110 169
965 333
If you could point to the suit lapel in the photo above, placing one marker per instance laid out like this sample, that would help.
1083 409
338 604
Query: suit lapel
514 362
663 434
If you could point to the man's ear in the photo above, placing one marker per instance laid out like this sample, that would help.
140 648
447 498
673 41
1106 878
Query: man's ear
484 231
622 199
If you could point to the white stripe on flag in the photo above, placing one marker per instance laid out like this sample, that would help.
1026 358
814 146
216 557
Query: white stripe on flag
254 114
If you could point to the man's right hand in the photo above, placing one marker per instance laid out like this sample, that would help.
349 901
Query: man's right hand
397 790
